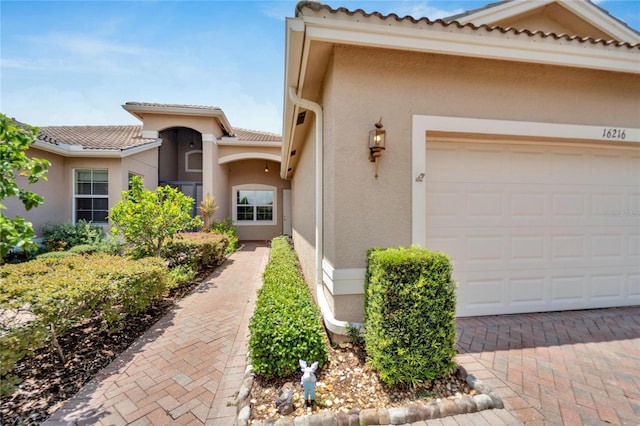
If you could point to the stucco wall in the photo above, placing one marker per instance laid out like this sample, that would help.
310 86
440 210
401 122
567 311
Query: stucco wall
56 192
303 205
370 212
360 211
252 172
143 164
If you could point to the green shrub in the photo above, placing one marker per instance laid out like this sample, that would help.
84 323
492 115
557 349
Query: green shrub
84 249
410 315
63 236
198 250
226 227
53 295
56 255
285 326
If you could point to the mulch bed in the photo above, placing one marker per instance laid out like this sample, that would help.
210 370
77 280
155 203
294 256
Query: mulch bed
46 383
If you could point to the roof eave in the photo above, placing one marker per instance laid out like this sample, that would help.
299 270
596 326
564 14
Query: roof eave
76 151
295 36
591 13
138 111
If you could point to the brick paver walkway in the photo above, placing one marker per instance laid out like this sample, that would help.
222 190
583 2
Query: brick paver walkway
188 366
572 368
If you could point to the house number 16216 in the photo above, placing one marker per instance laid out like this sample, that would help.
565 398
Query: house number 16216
609 133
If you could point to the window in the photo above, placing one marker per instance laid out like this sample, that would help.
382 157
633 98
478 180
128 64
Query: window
254 205
91 195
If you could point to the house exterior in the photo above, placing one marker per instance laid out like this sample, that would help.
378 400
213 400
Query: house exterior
512 144
193 148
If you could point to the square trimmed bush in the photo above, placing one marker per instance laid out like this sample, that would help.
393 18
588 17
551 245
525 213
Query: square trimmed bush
410 303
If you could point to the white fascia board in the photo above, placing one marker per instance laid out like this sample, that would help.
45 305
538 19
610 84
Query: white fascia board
502 11
599 19
586 11
78 151
295 34
479 44
236 142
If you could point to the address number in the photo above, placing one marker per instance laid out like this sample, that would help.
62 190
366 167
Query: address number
611 133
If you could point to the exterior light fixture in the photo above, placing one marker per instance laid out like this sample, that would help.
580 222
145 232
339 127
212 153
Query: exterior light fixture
376 144
266 167
191 145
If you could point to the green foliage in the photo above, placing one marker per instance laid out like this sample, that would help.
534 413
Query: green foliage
146 219
56 254
226 227
208 208
48 296
181 274
355 336
410 315
84 249
198 250
63 236
285 326
14 141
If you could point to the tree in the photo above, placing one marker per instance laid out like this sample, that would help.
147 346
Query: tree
146 219
15 139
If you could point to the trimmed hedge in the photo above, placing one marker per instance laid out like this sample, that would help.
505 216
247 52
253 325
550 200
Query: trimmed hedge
285 326
198 250
410 303
43 298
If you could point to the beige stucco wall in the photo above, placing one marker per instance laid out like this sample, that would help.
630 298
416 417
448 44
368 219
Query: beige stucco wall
252 172
303 206
56 192
143 164
159 122
362 212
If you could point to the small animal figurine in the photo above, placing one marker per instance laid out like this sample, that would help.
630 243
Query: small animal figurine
308 382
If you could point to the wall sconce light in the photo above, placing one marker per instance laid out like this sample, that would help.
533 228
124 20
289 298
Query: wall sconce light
266 167
376 144
191 145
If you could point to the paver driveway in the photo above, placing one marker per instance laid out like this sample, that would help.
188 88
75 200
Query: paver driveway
572 368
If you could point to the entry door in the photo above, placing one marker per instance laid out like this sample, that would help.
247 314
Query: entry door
286 211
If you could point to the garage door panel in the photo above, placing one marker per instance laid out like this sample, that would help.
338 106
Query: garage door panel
534 228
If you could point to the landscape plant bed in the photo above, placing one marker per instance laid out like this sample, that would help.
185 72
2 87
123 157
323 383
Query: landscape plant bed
346 382
46 383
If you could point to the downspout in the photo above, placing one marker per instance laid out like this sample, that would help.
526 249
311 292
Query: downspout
332 324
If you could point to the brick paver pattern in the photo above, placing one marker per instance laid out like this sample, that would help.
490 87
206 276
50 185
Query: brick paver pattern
187 367
571 368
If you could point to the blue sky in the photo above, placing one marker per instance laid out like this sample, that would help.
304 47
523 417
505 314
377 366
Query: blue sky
77 62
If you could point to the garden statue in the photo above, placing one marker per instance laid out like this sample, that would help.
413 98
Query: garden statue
308 382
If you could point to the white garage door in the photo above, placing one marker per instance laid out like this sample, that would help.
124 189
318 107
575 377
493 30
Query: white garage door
536 228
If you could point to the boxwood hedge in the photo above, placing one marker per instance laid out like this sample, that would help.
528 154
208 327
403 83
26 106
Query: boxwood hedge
286 325
410 315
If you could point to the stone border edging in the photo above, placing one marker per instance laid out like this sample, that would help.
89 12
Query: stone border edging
435 409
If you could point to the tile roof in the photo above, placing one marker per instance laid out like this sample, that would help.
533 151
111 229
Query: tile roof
499 3
256 136
449 24
174 106
95 137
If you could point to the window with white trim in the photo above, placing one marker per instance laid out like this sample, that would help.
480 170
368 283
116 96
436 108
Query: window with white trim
91 195
254 205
